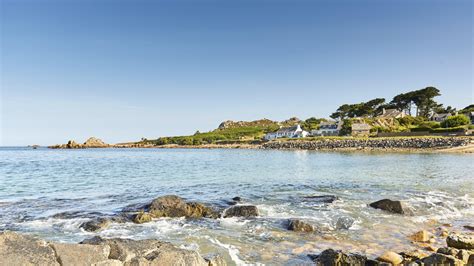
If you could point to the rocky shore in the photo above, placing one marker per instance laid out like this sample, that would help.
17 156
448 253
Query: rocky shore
19 249
379 144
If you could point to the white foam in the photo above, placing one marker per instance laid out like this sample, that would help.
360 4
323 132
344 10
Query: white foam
233 252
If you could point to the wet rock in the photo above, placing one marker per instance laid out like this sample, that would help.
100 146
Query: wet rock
321 198
300 226
344 223
95 225
17 249
141 217
74 254
393 206
147 252
237 199
460 241
413 255
215 260
241 211
469 227
420 236
174 206
337 257
441 259
391 257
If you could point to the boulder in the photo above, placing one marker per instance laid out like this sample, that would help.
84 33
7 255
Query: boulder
391 257
74 254
393 206
174 206
300 226
321 198
460 241
344 223
95 224
337 257
420 236
414 255
147 252
141 217
241 211
469 227
93 142
17 249
441 259
237 199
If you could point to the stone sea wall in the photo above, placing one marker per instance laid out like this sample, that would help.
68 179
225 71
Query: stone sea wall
375 143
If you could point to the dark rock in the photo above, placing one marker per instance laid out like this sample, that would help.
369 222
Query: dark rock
441 259
469 227
174 206
237 199
460 241
300 226
241 211
141 217
393 206
321 198
330 257
95 225
344 223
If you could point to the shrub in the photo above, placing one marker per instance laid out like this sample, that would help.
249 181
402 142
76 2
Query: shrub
410 120
448 130
346 128
455 121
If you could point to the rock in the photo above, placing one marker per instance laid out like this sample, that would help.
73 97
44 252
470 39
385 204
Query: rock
344 223
174 206
17 249
420 236
321 198
215 260
93 142
241 211
300 226
337 257
469 227
237 199
414 255
441 259
448 251
96 224
393 206
141 217
148 252
74 254
391 257
460 241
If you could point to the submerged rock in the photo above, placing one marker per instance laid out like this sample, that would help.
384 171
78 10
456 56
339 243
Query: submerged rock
393 206
420 236
337 257
96 224
460 241
300 226
344 223
321 198
241 211
237 199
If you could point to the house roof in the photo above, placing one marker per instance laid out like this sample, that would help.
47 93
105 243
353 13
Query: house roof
361 126
441 115
391 113
288 129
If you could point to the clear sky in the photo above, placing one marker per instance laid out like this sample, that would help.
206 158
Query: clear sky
122 70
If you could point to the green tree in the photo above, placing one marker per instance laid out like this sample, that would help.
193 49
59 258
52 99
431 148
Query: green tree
455 121
312 123
346 128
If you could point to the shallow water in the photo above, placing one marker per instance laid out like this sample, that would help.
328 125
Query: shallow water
35 185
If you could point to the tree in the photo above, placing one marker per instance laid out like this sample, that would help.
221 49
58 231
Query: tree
455 121
423 100
369 108
312 123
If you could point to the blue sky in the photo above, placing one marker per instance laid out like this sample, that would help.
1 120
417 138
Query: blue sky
122 70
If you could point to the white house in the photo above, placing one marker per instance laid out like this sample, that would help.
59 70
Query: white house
288 132
391 113
440 117
330 128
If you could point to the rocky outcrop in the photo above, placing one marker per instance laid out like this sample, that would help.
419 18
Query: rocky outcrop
393 206
91 142
337 257
460 241
300 226
174 206
17 249
241 211
320 198
257 123
95 224
371 143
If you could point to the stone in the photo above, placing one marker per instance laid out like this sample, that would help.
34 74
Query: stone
344 223
174 206
460 241
237 199
300 226
337 257
147 252
241 211
391 257
393 206
321 198
413 255
420 236
93 142
215 260
96 224
74 254
141 217
441 259
469 227
17 249
448 251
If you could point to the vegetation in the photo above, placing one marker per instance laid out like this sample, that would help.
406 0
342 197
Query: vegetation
369 109
455 121
312 123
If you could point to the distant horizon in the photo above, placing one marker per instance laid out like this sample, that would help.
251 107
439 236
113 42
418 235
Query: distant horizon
120 71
